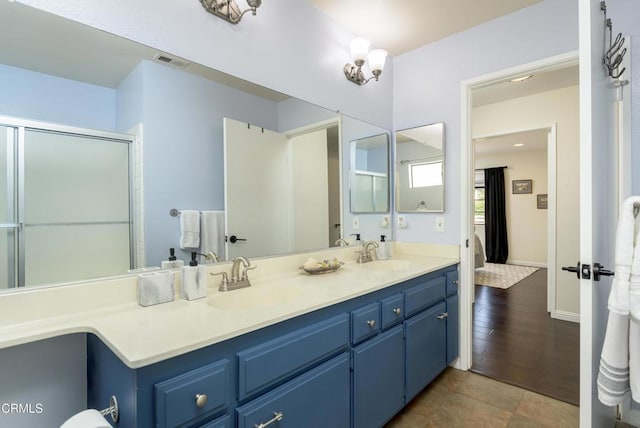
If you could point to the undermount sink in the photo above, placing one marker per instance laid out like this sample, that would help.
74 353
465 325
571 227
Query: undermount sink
255 298
387 265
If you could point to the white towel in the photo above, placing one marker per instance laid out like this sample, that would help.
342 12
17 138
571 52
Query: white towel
189 229
615 368
212 233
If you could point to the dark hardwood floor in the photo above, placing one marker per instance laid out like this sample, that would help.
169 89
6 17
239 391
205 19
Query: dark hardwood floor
515 341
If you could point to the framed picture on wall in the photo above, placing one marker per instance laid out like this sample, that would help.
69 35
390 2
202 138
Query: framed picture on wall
521 186
543 201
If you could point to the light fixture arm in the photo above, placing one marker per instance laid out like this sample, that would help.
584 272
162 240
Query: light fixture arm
229 9
354 73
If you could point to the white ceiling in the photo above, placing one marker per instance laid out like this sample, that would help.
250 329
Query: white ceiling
402 26
532 140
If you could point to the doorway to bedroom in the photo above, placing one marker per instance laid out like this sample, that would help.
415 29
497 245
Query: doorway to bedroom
524 328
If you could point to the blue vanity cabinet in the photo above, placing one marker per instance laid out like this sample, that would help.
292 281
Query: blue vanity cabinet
192 395
317 399
353 364
425 341
378 379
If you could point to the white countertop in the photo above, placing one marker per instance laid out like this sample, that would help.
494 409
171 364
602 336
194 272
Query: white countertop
145 335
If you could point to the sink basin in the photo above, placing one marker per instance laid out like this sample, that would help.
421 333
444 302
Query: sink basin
255 298
387 265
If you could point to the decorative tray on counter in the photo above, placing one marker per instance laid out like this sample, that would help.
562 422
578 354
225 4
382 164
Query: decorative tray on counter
314 267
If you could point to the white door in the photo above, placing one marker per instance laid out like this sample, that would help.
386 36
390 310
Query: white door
598 190
310 181
256 190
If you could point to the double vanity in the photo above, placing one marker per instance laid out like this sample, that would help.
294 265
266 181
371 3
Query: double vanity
345 349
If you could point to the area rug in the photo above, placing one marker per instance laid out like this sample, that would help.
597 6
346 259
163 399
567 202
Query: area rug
502 276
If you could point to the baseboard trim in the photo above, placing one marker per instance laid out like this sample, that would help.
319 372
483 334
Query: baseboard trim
566 316
524 263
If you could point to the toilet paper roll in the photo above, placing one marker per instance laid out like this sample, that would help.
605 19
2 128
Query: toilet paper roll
90 418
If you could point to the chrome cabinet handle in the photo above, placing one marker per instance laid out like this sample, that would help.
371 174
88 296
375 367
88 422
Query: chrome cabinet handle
372 323
455 281
397 311
443 315
201 400
277 416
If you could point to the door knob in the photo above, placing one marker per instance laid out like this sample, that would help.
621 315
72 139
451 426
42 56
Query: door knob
575 269
598 271
233 239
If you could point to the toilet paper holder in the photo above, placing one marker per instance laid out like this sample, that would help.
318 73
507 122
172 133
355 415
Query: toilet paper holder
112 410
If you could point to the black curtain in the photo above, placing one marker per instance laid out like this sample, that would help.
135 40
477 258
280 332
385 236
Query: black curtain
495 217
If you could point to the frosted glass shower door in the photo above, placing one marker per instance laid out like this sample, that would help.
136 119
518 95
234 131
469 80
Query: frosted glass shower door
76 207
8 224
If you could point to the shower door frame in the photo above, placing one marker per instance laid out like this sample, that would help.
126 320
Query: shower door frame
16 260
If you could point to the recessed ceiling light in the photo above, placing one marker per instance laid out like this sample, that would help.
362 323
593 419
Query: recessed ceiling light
518 145
521 79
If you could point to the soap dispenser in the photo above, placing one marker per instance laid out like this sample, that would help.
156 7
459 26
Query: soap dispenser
193 280
357 241
173 262
382 252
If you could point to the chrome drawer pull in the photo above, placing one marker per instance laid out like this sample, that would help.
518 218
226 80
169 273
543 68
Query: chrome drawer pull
396 311
277 416
201 400
455 281
443 316
372 323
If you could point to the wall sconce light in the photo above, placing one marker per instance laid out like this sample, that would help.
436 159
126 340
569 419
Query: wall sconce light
229 9
360 53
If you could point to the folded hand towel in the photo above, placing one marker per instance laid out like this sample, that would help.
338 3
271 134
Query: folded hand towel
189 229
624 255
616 372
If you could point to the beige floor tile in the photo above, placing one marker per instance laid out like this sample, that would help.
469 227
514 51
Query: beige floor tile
497 394
548 412
450 379
518 421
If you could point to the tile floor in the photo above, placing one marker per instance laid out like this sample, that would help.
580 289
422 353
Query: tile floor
464 399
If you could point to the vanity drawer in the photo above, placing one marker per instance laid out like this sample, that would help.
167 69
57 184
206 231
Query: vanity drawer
176 401
277 360
223 422
424 295
316 399
392 310
365 322
452 282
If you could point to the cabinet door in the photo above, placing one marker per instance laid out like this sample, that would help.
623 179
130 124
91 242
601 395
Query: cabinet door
378 379
426 347
453 328
316 399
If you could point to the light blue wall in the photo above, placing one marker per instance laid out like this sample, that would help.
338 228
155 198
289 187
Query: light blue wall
294 113
31 95
290 46
183 148
427 87
52 373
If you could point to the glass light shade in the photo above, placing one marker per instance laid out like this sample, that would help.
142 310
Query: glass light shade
377 57
359 49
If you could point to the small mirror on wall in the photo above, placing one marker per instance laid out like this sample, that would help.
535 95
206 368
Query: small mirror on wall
370 174
420 169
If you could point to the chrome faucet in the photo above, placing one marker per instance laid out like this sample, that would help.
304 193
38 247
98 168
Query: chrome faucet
236 280
342 243
364 255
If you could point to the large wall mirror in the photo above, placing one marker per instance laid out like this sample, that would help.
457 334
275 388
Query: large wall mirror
369 174
420 169
177 110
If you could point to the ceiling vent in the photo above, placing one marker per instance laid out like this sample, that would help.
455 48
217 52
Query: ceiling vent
173 61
